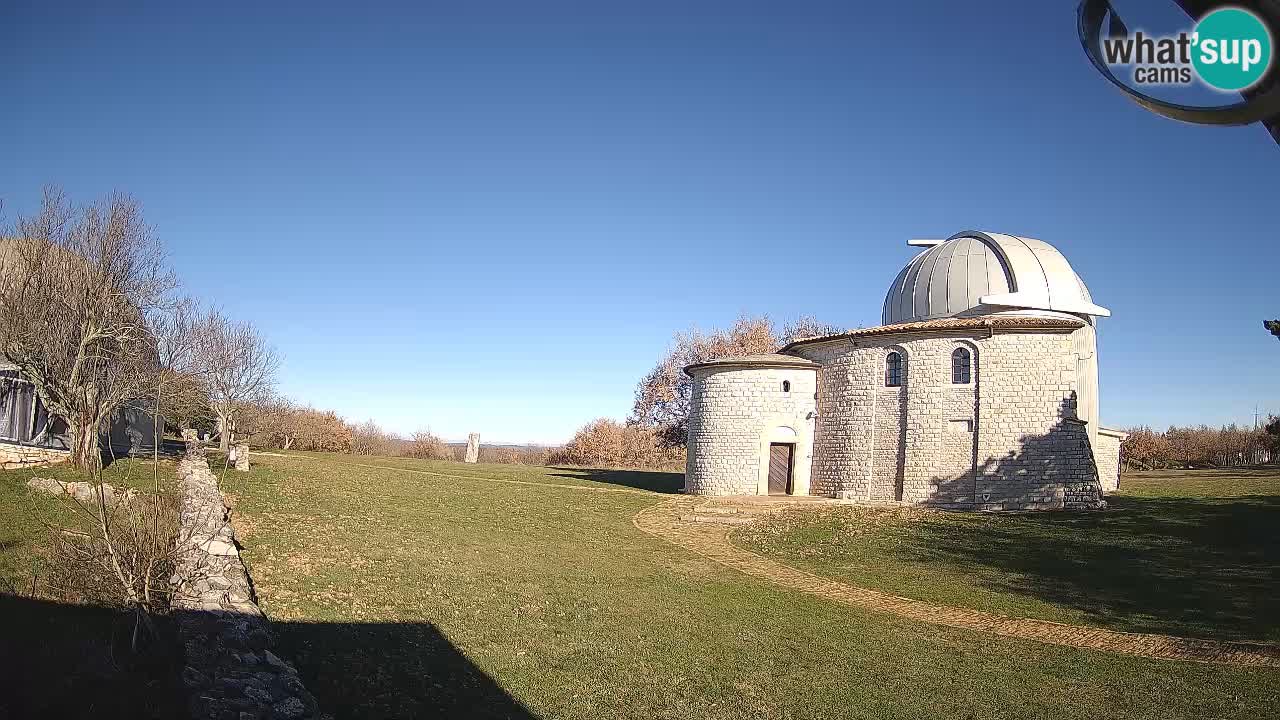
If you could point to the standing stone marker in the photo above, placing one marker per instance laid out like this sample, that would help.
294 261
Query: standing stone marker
473 447
242 458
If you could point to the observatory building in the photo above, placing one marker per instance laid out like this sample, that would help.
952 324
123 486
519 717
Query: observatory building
978 391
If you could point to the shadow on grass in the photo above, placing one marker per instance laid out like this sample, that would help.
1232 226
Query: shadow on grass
652 480
1174 565
381 670
71 661
61 661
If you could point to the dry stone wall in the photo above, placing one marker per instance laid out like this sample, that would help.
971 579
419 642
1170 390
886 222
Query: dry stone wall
733 413
1108 454
14 456
231 670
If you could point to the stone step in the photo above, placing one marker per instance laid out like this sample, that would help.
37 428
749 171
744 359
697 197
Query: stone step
720 510
738 510
718 519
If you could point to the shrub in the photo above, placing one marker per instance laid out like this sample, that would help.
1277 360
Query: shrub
426 446
608 443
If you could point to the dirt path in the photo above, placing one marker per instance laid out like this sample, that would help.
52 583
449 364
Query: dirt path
711 540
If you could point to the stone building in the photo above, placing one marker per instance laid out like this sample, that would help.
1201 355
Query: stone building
30 435
978 391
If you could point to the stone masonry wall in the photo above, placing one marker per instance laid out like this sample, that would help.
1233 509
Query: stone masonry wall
1031 452
881 444
1108 454
1002 441
231 671
16 456
731 413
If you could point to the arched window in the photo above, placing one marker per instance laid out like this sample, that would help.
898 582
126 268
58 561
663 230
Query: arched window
961 366
786 386
893 370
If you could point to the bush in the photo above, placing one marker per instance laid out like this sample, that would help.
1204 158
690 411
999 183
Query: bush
608 443
504 455
143 531
426 446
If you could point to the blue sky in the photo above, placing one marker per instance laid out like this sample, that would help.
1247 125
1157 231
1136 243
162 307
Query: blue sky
493 216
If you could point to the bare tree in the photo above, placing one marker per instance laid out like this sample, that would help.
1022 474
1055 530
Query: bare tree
368 438
240 370
178 385
76 284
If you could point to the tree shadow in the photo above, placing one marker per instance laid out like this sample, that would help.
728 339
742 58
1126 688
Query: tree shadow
66 661
652 480
169 449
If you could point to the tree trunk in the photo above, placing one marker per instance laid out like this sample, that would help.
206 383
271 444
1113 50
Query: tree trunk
86 447
224 434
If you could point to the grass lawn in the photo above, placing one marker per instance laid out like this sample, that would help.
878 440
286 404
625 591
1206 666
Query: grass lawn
406 588
1193 553
24 514
65 660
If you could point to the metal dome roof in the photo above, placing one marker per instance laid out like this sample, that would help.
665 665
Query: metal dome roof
976 273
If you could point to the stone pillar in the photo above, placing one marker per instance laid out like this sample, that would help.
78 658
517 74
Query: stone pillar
473 447
190 435
242 457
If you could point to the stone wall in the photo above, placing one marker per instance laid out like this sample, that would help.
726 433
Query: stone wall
734 413
881 444
231 671
1005 440
1107 452
14 456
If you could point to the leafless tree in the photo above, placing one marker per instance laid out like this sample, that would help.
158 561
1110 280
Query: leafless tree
240 370
284 424
369 438
76 285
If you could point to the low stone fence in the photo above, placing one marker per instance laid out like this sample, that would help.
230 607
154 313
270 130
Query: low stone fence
231 671
19 456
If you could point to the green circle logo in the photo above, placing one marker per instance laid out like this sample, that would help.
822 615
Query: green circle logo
1232 49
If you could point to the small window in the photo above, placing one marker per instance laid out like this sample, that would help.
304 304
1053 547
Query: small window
961 366
786 386
893 370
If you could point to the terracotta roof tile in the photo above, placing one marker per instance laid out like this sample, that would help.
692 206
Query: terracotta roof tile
760 360
1011 322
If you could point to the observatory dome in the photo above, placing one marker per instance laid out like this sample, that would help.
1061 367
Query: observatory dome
979 273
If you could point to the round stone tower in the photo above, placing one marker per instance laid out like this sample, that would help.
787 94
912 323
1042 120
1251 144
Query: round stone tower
751 421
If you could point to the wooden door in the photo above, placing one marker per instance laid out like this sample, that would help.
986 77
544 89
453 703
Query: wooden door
780 468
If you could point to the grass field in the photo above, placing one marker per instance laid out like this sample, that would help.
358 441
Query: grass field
409 588
1193 553
25 515
63 660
